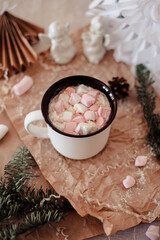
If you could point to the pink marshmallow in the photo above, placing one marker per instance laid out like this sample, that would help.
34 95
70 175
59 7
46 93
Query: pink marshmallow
87 100
141 161
74 98
69 90
23 86
100 122
129 182
153 232
104 112
90 116
94 93
70 127
94 107
78 119
60 106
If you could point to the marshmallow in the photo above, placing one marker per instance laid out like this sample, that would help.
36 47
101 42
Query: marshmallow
100 122
80 108
87 100
59 125
94 107
129 182
101 100
60 106
70 127
74 98
3 130
82 89
103 112
69 90
153 232
141 161
90 116
94 93
67 116
23 86
78 119
86 128
64 97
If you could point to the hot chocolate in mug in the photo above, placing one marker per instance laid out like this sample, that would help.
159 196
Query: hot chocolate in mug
72 146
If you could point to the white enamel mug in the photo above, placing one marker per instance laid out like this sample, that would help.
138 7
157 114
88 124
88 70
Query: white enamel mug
76 147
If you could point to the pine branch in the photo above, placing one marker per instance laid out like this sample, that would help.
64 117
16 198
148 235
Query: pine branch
147 98
17 170
23 208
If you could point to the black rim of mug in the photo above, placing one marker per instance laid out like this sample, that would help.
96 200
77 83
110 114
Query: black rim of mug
76 80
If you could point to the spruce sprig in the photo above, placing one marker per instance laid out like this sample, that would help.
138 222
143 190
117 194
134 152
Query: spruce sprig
24 208
147 98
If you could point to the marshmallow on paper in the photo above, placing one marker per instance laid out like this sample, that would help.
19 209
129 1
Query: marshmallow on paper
23 86
153 232
141 161
3 130
129 182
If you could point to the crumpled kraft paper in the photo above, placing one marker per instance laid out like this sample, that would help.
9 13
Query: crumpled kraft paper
94 186
87 226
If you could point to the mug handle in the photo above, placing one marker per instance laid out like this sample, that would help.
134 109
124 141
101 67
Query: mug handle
37 131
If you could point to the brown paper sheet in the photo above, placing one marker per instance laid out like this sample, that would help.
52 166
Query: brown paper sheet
87 226
94 186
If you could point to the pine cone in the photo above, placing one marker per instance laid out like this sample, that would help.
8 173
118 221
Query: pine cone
119 86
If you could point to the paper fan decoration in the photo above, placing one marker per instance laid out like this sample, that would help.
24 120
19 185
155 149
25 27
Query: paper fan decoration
134 28
16 38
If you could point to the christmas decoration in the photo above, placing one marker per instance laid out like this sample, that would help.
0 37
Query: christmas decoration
95 41
23 208
61 45
147 98
16 38
133 26
119 86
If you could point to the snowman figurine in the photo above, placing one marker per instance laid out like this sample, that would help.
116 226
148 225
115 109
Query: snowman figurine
95 41
62 48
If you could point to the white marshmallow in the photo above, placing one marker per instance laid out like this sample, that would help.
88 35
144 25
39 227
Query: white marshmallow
101 100
3 130
82 89
59 126
141 161
66 116
129 182
64 97
80 108
153 232
86 128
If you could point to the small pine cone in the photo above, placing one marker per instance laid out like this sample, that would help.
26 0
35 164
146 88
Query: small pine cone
119 86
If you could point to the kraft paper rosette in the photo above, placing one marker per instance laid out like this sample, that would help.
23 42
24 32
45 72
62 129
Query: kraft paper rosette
16 39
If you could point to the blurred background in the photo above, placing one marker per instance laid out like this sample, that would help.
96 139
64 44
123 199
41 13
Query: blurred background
43 12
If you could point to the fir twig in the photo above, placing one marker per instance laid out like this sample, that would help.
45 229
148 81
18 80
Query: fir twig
23 208
147 98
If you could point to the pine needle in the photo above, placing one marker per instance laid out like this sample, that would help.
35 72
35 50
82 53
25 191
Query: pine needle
147 98
23 208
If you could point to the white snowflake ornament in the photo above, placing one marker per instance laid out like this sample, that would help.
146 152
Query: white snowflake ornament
134 28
